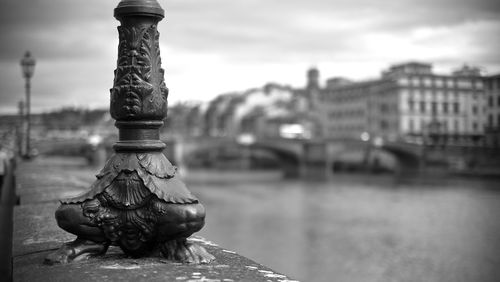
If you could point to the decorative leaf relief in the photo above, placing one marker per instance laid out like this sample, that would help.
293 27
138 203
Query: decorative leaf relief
145 49
122 76
139 79
127 191
145 73
132 104
132 76
129 44
122 47
163 86
156 164
157 51
145 58
150 51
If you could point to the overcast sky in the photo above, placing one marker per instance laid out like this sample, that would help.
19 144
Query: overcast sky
211 47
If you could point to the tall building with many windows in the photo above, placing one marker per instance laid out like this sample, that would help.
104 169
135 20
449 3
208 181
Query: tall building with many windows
408 103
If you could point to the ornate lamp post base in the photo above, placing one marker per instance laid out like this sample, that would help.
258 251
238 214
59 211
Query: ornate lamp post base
137 202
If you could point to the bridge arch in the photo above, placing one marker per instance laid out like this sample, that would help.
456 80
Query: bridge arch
294 159
182 151
408 160
406 157
289 159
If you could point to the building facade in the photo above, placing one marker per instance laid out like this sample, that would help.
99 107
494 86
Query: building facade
408 103
492 93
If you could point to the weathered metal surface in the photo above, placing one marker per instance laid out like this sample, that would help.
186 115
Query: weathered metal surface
137 202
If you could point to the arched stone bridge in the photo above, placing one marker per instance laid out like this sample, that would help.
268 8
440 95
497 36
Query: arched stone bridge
298 157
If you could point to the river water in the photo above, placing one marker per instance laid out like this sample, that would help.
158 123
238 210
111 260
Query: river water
356 227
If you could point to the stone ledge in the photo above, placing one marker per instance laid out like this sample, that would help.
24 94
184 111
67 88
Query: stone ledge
36 230
36 234
114 266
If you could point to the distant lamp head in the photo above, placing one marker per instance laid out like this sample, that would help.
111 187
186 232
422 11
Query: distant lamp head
28 65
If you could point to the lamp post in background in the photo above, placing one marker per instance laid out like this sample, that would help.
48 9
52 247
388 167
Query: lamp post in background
20 129
28 68
365 137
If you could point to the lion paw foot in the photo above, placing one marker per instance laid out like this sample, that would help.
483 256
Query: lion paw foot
185 252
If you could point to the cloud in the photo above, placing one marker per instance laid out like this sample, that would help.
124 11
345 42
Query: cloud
215 46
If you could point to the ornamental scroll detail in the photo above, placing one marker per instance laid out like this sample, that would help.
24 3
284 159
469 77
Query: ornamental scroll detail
139 90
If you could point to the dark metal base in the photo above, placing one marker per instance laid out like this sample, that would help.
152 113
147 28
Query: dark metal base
138 204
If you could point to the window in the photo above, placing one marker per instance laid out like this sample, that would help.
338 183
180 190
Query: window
384 124
415 81
489 85
457 126
464 83
384 108
434 107
445 108
411 127
456 108
498 101
490 120
474 126
427 82
429 95
422 106
411 105
474 110
490 101
450 83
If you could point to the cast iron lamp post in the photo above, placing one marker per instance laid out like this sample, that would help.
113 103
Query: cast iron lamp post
28 67
137 202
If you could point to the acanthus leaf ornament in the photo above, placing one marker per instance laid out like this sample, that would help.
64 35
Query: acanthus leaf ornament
139 76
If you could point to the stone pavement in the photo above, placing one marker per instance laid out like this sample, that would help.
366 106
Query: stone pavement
43 181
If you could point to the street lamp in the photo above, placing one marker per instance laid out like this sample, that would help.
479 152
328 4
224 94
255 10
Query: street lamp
28 68
138 201
365 137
